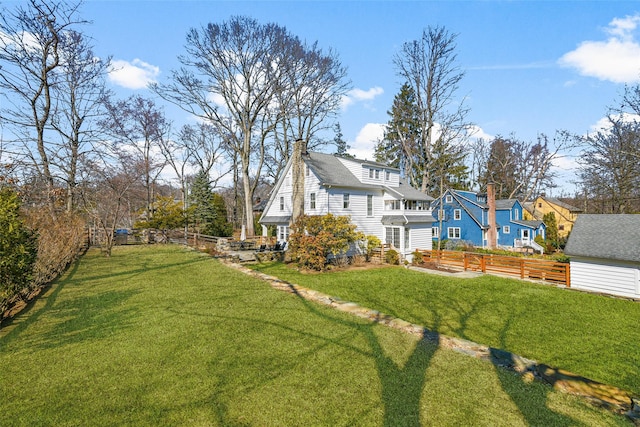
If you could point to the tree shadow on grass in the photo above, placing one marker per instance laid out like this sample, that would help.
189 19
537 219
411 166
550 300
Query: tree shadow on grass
530 398
401 386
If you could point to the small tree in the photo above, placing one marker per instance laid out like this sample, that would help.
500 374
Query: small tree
18 249
314 239
168 214
552 228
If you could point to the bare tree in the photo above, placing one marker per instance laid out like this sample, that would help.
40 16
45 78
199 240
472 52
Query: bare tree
140 125
79 98
197 146
240 76
521 169
311 87
428 65
30 54
610 166
105 196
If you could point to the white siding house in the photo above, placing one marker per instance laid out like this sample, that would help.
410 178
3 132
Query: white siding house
604 253
372 194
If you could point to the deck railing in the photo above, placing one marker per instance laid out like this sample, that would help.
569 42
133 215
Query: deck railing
524 268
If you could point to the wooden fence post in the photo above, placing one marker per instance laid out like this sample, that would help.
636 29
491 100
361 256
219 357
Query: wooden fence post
567 275
522 268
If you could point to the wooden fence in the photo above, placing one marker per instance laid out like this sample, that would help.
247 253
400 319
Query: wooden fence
524 268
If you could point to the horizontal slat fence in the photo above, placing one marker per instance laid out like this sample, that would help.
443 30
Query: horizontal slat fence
525 268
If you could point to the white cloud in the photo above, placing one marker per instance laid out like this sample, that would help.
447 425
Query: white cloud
476 132
617 59
364 145
359 95
605 124
136 74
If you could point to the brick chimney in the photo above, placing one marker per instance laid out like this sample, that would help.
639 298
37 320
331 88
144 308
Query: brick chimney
492 232
297 175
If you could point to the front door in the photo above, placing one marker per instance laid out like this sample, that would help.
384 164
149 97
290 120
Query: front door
526 237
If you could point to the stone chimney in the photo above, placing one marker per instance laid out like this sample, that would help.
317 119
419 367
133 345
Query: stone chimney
297 175
492 232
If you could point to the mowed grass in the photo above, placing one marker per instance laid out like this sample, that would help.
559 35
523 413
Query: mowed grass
166 336
591 335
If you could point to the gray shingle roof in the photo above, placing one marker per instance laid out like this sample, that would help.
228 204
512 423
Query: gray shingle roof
560 203
605 236
331 171
502 204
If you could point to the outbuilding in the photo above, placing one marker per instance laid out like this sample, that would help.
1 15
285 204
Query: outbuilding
604 252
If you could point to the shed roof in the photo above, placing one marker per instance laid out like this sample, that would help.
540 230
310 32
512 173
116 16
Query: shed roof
614 237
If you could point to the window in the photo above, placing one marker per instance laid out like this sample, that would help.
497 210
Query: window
539 205
377 174
369 205
387 175
407 234
392 235
457 214
516 214
283 233
392 205
345 201
371 173
312 200
281 203
453 232
435 232
306 169
448 198
506 229
561 227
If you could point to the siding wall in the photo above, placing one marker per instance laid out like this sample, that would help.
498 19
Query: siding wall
606 276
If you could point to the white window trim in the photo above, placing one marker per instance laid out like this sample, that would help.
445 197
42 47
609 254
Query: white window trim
457 214
312 200
451 232
345 201
370 212
435 231
506 229
448 198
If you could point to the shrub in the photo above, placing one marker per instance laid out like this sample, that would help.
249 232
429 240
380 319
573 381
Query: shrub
418 258
18 250
314 239
392 257
60 242
371 244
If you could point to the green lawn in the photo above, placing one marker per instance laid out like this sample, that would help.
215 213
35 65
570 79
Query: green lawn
591 335
165 336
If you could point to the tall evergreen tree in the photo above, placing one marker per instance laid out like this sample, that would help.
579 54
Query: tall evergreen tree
401 143
209 208
341 145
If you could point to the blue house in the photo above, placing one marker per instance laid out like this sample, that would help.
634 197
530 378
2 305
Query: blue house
465 217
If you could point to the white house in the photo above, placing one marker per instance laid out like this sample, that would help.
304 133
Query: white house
378 201
604 253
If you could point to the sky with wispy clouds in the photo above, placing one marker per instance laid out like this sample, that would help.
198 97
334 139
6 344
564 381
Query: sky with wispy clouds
531 67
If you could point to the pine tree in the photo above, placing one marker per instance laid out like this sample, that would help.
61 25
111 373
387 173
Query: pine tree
341 145
400 146
209 208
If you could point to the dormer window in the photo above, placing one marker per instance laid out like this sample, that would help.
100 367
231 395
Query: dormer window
448 198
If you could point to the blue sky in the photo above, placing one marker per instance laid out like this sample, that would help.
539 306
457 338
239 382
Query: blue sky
531 66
